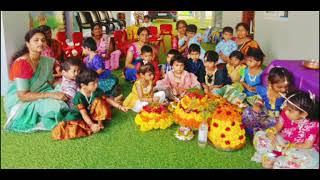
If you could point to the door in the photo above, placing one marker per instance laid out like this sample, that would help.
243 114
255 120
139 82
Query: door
248 18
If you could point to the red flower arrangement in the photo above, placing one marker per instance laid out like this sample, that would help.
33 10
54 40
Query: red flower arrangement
155 108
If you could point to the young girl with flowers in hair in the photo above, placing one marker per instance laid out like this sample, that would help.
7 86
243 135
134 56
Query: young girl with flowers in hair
294 141
266 105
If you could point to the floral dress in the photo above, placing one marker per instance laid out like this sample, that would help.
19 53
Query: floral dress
255 121
292 132
107 81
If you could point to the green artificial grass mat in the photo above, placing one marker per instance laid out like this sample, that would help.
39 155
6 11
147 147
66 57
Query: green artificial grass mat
119 145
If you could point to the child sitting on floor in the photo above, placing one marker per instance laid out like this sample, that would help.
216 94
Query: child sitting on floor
252 74
194 64
194 38
296 131
216 74
107 82
167 67
91 108
226 46
147 57
142 90
266 105
177 81
70 70
234 67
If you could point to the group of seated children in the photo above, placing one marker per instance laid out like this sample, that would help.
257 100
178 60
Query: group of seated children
274 108
239 81
91 89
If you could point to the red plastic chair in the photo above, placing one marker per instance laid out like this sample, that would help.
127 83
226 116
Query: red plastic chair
153 33
77 37
62 37
121 41
166 29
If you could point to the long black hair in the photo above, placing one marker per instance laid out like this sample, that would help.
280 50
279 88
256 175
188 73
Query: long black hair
142 29
304 101
281 74
86 76
24 49
45 29
94 25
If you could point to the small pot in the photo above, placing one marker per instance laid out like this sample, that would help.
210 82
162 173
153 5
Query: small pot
311 64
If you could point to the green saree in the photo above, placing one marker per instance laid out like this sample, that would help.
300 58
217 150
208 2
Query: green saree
33 115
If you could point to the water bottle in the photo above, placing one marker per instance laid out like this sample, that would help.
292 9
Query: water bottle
203 134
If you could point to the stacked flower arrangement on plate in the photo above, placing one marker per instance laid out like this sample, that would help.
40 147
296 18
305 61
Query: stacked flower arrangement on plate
154 116
188 112
226 129
213 101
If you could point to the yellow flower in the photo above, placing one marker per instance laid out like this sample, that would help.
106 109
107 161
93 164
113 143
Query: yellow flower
138 119
156 125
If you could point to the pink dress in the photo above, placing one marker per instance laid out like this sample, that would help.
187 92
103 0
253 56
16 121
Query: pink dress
301 131
292 132
47 52
177 43
70 88
188 80
103 45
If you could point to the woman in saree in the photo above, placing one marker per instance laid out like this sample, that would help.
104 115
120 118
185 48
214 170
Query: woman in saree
180 41
243 41
31 103
134 54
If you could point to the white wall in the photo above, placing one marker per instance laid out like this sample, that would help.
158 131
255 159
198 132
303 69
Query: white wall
14 25
231 18
294 39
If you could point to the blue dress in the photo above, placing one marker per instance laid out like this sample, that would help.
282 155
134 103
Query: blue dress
226 47
255 121
251 81
262 92
107 82
131 73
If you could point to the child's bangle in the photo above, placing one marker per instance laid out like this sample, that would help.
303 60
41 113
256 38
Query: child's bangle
271 130
290 145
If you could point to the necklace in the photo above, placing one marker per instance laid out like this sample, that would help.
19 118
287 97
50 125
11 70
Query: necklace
146 87
88 101
33 62
177 79
254 77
